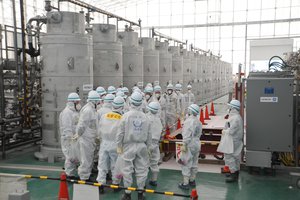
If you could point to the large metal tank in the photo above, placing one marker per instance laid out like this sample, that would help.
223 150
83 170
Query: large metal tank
208 69
108 61
151 61
177 64
186 68
195 79
165 64
132 59
66 54
200 86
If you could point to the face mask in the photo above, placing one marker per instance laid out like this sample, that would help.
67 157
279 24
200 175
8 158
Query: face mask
170 92
189 91
147 96
77 107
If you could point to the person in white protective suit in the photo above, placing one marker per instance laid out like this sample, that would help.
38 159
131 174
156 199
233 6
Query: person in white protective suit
122 94
106 106
180 108
86 133
162 101
133 143
189 98
127 103
191 133
109 124
156 130
148 91
102 92
68 120
235 129
111 90
171 103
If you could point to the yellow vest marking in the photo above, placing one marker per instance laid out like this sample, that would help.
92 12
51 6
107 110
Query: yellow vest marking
112 115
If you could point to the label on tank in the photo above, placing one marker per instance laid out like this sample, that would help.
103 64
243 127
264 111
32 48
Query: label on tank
87 87
140 84
269 99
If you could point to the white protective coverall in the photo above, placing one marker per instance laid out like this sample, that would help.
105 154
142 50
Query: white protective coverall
191 133
235 129
134 138
155 129
171 104
87 130
68 120
109 124
189 98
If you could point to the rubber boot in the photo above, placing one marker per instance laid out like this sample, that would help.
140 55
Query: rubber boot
192 180
101 190
117 189
185 184
232 178
153 181
126 196
141 196
192 183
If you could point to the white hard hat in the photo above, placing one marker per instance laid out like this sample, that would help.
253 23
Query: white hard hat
120 94
136 98
119 89
111 90
154 106
235 104
93 96
125 89
170 87
134 88
148 89
157 88
137 90
149 84
118 102
109 98
178 86
194 108
73 97
101 91
189 87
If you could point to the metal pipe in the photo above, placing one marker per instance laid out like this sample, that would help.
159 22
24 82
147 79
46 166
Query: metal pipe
95 9
156 33
18 70
26 117
6 120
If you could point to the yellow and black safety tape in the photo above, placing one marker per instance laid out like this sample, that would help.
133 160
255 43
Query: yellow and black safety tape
96 184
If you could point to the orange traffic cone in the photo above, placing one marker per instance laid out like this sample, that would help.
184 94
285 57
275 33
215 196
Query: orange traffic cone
63 187
225 169
194 195
202 117
206 113
212 109
178 124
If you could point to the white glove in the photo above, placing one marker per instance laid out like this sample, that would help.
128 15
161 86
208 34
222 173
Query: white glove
149 152
75 137
183 148
119 150
98 141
